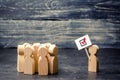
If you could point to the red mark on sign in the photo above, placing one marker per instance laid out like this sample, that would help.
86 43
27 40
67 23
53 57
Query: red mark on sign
83 42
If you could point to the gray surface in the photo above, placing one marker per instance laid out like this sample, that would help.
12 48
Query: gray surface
72 66
59 22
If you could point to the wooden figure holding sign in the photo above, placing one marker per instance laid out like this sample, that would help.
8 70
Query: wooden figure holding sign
84 42
93 60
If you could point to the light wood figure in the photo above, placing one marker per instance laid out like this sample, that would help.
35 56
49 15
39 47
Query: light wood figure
20 58
29 64
93 60
53 50
42 61
25 44
53 59
35 53
47 45
52 64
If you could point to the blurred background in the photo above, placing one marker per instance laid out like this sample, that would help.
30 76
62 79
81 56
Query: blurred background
59 22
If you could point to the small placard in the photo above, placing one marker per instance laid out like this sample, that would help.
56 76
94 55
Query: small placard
83 42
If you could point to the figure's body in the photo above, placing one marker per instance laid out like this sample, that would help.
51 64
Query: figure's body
35 53
29 64
93 61
20 57
53 59
42 61
53 64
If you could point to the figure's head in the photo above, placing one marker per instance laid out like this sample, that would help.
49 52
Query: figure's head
53 50
42 51
36 46
93 49
20 48
47 45
25 44
28 50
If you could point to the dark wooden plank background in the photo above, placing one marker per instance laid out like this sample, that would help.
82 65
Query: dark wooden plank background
59 22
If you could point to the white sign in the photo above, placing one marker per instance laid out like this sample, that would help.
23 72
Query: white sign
83 42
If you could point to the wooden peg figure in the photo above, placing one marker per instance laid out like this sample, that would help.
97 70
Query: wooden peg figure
53 50
42 61
52 64
93 60
20 58
35 53
25 44
47 45
29 64
53 59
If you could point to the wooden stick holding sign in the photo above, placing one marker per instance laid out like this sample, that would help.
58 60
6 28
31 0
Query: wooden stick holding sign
87 53
93 60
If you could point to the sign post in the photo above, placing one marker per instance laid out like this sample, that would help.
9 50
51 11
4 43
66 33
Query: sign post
87 52
83 42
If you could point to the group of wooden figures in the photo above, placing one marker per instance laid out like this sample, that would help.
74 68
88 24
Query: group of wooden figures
42 58
37 58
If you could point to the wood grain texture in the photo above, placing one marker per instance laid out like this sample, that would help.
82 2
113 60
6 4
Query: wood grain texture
59 22
59 9
62 33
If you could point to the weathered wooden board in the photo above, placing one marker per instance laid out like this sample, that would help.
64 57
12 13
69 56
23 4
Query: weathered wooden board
63 33
59 9
59 22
